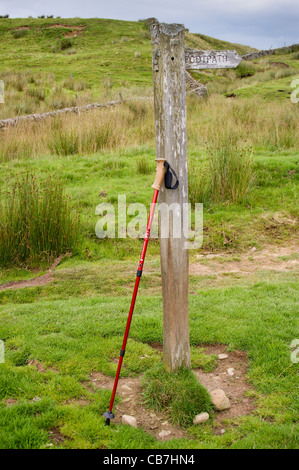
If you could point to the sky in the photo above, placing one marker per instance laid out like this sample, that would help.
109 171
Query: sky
263 24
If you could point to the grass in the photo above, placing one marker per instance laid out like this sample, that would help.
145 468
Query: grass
269 213
180 394
228 176
36 223
73 337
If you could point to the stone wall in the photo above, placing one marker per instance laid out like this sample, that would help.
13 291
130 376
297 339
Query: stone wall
280 50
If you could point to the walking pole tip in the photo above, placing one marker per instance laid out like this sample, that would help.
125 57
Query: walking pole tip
108 415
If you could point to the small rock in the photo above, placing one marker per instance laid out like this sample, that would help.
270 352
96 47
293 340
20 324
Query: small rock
201 418
230 371
222 431
163 434
222 356
36 399
165 423
126 388
130 420
253 248
220 400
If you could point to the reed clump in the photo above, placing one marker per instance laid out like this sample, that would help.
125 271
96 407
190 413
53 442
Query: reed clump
36 221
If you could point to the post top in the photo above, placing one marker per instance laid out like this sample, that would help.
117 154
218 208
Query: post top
171 29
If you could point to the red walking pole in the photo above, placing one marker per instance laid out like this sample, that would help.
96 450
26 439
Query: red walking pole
160 171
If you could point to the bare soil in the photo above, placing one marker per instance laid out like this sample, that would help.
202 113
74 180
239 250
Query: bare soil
129 390
65 26
235 387
271 258
37 281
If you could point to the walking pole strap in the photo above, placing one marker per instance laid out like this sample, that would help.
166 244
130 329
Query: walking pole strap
168 177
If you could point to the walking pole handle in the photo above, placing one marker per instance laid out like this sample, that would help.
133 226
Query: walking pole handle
160 172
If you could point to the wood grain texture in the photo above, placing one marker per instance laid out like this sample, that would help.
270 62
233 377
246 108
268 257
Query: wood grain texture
168 54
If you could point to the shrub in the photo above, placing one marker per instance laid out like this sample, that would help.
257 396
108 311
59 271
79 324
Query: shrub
62 45
245 69
20 33
36 221
180 394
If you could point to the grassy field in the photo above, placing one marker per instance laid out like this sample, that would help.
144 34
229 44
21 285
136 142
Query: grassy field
58 334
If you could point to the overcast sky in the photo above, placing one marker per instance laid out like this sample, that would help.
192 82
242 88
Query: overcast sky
258 23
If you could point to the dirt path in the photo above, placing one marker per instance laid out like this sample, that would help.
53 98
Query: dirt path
270 258
37 281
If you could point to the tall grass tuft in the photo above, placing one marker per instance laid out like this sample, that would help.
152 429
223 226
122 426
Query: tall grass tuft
36 222
227 176
179 394
143 166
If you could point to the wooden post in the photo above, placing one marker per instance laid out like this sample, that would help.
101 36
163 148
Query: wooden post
168 55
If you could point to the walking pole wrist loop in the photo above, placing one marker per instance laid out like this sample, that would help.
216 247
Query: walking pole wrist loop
169 173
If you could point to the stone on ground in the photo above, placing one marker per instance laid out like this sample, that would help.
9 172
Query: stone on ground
130 420
201 418
222 356
220 400
163 434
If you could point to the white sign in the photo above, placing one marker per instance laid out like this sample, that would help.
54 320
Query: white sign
195 60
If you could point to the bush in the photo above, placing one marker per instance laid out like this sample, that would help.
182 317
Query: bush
245 69
36 222
20 33
62 45
180 394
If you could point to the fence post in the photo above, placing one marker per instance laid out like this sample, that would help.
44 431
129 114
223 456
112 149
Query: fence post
168 58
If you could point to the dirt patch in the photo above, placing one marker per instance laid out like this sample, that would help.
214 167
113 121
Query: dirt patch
129 390
271 258
234 386
37 281
20 28
56 437
73 34
280 64
11 402
65 26
41 367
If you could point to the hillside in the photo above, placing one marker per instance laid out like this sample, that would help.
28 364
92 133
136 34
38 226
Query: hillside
64 62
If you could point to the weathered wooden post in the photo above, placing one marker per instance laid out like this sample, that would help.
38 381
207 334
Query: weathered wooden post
170 59
168 53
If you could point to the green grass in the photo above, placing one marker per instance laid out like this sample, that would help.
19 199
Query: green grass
77 336
268 214
179 393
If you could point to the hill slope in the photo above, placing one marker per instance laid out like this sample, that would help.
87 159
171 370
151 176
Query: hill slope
92 49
